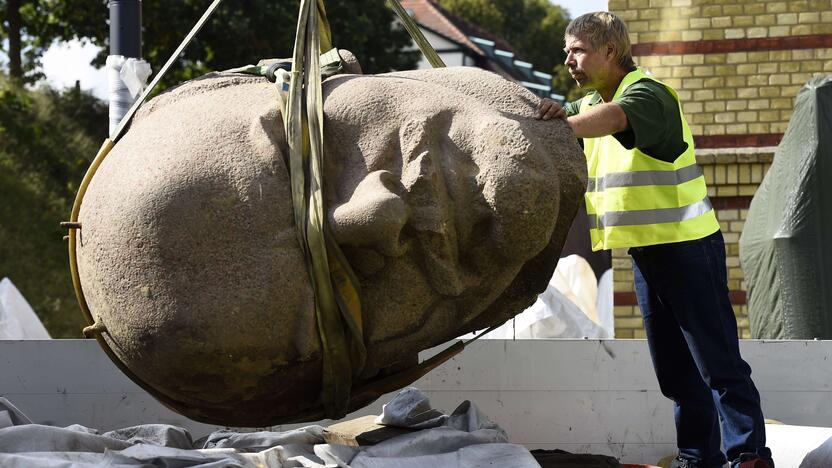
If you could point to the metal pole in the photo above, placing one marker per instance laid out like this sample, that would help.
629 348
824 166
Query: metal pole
125 45
126 28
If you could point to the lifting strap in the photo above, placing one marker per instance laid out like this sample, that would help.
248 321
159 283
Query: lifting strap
337 294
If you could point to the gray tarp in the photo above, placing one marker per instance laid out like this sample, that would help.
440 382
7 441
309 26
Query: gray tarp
786 244
465 438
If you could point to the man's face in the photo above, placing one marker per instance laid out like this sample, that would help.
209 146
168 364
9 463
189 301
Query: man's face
588 66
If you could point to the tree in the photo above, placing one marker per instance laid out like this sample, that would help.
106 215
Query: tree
533 27
29 27
47 139
243 31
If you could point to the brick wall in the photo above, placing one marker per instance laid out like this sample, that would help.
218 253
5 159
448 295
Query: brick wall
737 66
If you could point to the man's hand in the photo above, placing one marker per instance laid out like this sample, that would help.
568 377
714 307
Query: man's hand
550 109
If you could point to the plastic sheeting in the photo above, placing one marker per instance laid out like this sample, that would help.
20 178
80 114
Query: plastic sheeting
568 308
17 319
464 438
785 248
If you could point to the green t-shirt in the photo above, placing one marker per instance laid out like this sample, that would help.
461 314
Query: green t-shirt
653 122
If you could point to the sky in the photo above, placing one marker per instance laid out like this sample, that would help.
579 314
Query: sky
67 62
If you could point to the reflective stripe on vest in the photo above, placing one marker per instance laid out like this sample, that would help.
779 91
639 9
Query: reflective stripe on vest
636 200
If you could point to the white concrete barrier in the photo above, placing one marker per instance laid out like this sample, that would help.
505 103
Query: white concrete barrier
583 396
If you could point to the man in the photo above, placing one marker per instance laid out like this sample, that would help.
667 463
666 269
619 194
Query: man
646 193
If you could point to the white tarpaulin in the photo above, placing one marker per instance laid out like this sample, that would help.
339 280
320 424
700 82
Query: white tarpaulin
465 438
17 319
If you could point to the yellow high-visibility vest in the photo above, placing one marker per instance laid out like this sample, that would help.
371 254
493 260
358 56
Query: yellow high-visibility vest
635 200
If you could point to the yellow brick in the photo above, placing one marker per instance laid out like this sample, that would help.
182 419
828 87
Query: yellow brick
714 82
731 174
762 56
757 80
747 116
639 334
759 128
719 174
778 31
734 33
775 7
722 22
725 70
756 32
735 81
692 35
736 105
757 104
633 38
622 311
747 69
712 11
765 20
823 53
811 66
808 17
745 334
714 59
732 262
702 119
628 322
623 334
797 6
700 23
713 34
743 21
768 116
747 93
800 78
827 66
778 79
731 237
728 215
789 67
826 16
671 60
621 286
659 3
770 91
736 129
746 190
708 172
732 9
785 115
708 70
693 59
803 54
703 94
674 83
647 37
800 30
756 173
684 95
692 107
725 117
692 84
780 55
737 226
649 14
726 191
768 67
822 28
744 174
778 127
726 93
711 191
625 14
754 8
637 4
787 18
638 26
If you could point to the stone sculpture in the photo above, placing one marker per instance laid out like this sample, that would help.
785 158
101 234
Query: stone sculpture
449 200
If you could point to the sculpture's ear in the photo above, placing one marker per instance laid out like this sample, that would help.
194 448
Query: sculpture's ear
374 216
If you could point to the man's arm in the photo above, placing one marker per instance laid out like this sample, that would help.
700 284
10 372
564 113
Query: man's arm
597 121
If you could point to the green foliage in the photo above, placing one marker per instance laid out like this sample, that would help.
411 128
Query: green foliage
244 31
47 140
533 27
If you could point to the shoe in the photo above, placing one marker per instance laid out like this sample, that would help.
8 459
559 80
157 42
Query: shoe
680 462
752 460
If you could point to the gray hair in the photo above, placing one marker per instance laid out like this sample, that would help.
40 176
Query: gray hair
600 28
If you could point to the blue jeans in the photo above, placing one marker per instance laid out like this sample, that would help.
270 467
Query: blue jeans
692 334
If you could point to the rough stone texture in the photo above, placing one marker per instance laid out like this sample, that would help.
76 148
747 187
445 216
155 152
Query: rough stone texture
449 199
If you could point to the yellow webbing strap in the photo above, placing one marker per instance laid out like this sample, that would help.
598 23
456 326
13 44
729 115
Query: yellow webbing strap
416 34
337 304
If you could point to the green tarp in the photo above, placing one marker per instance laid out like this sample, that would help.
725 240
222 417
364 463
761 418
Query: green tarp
786 245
